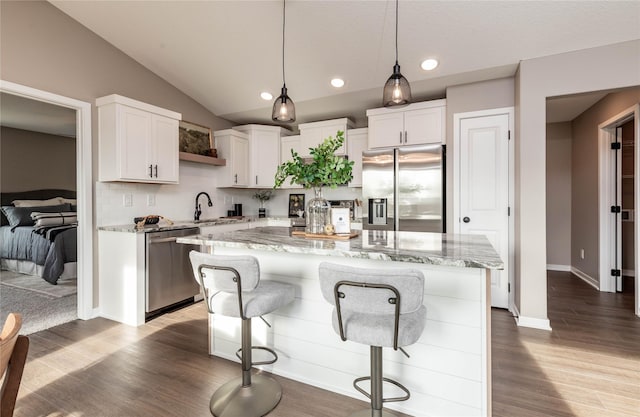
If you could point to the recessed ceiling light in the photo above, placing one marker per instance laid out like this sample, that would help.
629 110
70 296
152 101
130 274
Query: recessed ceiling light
266 96
429 64
337 82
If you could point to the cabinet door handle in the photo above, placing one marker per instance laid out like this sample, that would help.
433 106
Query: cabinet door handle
235 179
150 171
401 137
405 136
256 180
156 167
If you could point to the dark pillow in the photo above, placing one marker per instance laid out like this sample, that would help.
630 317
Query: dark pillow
21 216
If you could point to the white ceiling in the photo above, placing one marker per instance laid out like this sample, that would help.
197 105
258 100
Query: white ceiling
224 53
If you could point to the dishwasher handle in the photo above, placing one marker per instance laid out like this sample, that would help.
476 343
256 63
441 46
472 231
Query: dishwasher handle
163 240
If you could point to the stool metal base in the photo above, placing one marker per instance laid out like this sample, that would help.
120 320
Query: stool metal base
372 413
255 400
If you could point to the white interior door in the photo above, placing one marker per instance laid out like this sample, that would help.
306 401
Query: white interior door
484 190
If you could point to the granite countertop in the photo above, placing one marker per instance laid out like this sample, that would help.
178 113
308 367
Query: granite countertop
183 224
468 251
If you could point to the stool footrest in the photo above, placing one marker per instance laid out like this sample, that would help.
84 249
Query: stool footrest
267 362
384 400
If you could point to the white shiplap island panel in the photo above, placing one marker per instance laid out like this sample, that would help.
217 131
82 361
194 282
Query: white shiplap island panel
448 372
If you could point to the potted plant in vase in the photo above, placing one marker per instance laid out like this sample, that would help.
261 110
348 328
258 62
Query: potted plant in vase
324 168
262 196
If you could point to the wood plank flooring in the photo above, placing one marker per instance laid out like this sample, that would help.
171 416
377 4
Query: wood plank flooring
588 366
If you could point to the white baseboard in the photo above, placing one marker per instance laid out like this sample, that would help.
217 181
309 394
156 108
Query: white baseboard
586 278
628 272
534 323
554 267
541 324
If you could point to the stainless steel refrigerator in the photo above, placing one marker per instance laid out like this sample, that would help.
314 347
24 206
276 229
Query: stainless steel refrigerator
403 188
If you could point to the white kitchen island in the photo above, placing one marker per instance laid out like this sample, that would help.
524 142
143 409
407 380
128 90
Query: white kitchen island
449 371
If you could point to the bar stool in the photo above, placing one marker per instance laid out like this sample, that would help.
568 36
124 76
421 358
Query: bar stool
379 308
232 287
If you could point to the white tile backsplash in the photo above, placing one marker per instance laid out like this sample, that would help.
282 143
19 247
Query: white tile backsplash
177 202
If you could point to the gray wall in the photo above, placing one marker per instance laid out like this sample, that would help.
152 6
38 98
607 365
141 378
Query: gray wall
602 68
43 48
468 98
33 160
584 216
559 194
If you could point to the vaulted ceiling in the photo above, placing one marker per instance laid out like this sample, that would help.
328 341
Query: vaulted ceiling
225 53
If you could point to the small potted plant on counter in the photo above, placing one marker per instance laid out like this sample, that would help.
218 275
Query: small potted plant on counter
324 168
262 196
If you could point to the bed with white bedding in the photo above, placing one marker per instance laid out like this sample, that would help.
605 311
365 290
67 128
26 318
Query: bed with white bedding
38 235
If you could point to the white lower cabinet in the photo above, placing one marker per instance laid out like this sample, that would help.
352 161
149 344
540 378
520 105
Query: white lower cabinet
121 266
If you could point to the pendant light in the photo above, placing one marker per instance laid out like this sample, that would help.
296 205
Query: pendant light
396 90
283 108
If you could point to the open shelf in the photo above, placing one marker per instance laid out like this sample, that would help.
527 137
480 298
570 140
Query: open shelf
185 156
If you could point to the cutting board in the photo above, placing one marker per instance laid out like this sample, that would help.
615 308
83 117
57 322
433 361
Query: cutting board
322 236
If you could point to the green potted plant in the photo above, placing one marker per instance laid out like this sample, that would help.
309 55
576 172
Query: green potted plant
324 168
262 196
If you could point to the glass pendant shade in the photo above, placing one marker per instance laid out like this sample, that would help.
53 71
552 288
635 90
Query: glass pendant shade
396 90
283 108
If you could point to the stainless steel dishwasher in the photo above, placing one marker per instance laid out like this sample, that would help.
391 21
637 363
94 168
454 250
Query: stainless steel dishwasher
169 277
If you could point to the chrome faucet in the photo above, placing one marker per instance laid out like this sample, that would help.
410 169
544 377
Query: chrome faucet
198 212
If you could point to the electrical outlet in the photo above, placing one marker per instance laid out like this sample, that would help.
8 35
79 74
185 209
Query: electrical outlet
227 199
581 253
127 200
151 200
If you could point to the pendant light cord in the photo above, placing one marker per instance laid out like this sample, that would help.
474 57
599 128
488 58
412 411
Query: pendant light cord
396 31
283 25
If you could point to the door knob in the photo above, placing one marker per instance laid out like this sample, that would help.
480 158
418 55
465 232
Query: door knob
466 219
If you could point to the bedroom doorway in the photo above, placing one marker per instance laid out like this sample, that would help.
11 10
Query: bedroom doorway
84 184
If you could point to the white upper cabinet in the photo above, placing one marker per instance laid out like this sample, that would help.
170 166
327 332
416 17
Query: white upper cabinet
357 144
312 134
138 142
233 146
264 153
414 124
286 145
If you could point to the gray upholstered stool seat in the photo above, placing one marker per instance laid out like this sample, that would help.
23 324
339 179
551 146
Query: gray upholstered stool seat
268 296
232 287
377 329
379 308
